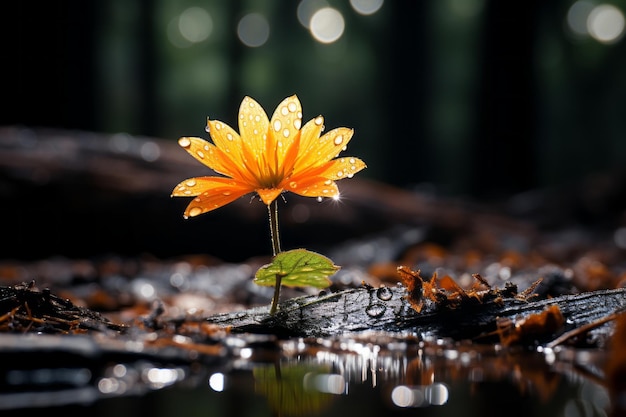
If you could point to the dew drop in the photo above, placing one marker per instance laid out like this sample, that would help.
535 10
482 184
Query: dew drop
184 142
218 126
194 211
338 140
229 136
384 293
277 125
207 129
292 106
293 184
226 193
284 110
350 175
352 160
190 183
327 182
319 120
257 118
200 154
375 310
340 173
286 133
297 123
319 199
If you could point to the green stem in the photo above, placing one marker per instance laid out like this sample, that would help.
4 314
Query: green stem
273 215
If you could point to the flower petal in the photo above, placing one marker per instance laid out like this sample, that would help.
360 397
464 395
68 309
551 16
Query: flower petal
253 126
309 138
284 128
269 194
341 168
313 187
209 155
210 193
323 150
230 144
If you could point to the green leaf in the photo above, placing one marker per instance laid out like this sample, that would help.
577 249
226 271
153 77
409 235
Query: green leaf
297 268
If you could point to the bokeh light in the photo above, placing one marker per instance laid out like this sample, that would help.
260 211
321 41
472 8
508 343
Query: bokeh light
253 30
366 7
606 23
307 8
577 17
193 25
327 25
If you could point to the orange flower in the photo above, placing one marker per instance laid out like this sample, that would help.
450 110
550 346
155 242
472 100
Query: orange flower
267 157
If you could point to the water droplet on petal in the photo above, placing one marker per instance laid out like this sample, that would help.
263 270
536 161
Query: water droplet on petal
292 106
191 183
319 199
297 123
218 126
293 184
229 136
338 140
226 193
319 120
257 118
286 133
352 160
200 154
340 173
184 142
194 211
375 310
284 110
384 293
327 182
207 128
277 125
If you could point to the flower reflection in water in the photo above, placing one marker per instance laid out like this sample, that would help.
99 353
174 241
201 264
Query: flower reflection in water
382 372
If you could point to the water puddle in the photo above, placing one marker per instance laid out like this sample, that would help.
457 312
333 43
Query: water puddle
374 373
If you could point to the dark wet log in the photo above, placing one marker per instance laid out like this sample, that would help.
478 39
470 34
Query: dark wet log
387 309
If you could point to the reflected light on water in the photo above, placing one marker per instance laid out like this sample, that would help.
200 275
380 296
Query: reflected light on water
326 383
162 377
217 382
253 30
419 396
